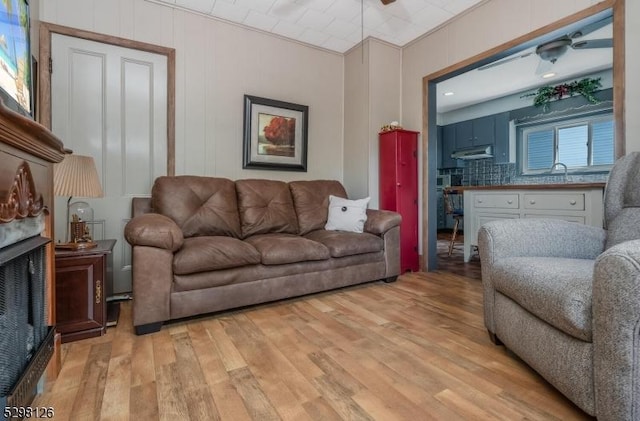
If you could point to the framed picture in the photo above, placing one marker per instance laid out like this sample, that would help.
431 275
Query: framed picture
275 134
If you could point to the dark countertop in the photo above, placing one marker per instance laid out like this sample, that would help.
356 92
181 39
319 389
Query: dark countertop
564 186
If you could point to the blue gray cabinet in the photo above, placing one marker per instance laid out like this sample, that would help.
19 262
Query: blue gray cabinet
476 132
448 147
501 146
439 148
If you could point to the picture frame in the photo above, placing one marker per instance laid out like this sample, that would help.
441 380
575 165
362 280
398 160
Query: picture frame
275 135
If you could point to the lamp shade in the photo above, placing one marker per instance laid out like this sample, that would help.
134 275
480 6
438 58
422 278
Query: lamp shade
76 176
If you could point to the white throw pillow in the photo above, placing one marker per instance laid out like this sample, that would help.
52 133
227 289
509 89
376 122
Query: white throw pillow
346 215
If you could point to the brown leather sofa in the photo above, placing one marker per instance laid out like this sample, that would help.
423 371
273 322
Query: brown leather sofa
204 244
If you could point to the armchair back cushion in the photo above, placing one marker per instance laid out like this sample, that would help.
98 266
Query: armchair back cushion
201 206
311 202
622 201
265 206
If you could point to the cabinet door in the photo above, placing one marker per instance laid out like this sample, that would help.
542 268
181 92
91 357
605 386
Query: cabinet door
388 180
448 147
80 304
439 148
408 200
464 134
501 146
484 131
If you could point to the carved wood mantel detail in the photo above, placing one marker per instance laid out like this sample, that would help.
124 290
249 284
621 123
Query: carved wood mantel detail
21 199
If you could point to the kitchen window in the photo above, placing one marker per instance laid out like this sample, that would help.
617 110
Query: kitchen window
584 144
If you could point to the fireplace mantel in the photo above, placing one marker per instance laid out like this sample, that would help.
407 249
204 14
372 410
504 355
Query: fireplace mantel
28 151
29 136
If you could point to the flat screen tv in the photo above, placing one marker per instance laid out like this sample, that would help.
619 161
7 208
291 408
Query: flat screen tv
15 56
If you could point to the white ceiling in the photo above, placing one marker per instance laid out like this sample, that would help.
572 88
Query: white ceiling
336 25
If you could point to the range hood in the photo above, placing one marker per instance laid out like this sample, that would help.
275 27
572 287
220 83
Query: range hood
477 152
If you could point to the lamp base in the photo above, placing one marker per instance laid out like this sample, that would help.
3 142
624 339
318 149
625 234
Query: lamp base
81 245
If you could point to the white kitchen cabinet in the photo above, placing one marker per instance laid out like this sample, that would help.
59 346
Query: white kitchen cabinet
582 204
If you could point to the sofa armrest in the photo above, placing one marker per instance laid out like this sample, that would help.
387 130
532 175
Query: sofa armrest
616 321
154 230
539 238
380 221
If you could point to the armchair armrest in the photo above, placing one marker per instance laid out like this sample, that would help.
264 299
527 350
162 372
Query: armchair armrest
154 230
539 238
380 221
616 321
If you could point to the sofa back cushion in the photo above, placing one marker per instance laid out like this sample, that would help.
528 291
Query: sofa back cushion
199 205
311 201
265 206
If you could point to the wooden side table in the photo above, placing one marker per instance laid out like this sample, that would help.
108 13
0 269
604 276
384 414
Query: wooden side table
84 279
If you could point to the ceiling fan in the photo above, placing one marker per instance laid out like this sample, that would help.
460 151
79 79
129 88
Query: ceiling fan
550 51
385 2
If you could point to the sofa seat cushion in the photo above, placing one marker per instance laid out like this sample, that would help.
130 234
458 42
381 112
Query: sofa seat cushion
557 290
279 249
341 244
201 254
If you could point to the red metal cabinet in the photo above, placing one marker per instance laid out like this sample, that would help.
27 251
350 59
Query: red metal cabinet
399 189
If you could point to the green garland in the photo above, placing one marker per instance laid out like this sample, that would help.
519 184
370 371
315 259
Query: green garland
585 87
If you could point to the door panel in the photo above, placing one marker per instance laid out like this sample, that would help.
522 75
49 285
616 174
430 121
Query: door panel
110 103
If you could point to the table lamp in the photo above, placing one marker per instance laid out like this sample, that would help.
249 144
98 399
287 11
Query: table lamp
77 176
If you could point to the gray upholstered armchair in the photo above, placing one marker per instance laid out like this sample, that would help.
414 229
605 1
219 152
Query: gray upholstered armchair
566 298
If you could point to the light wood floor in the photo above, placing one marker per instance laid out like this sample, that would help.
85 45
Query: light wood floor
412 350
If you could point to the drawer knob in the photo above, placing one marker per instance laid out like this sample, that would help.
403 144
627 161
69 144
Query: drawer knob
572 202
479 200
509 201
533 202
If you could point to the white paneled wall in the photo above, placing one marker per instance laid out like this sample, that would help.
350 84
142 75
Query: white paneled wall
372 99
216 64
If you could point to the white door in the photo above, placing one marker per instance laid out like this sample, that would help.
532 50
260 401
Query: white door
110 103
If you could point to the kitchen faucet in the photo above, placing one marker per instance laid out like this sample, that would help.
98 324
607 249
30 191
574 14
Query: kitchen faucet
565 169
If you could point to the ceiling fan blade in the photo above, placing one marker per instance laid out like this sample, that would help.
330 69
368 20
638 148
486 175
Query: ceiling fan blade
593 43
587 29
385 2
503 61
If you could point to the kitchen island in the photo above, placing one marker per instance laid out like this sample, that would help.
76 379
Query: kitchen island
581 203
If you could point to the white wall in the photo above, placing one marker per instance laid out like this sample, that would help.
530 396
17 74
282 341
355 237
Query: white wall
372 99
356 121
216 64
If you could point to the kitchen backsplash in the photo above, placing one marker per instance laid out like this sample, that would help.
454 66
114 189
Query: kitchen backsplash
484 172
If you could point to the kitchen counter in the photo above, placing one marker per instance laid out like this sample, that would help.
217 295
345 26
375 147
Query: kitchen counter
580 203
556 186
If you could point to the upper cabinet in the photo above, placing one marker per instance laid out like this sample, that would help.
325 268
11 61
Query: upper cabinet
501 144
476 132
448 147
489 130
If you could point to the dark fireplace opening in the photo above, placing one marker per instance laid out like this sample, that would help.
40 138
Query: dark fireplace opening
26 341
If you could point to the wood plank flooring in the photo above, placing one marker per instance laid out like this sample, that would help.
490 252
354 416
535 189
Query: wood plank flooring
413 350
